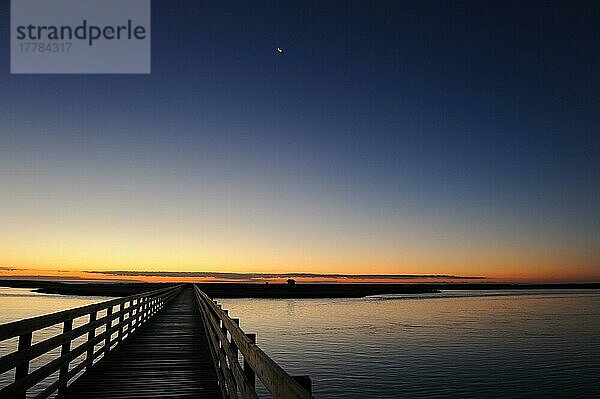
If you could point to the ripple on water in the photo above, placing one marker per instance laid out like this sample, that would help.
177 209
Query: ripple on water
457 344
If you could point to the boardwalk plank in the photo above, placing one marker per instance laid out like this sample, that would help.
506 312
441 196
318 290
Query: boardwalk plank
167 357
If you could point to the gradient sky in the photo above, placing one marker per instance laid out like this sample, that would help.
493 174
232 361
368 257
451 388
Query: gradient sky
423 137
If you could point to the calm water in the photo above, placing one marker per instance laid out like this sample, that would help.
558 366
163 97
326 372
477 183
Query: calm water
19 303
465 344
457 344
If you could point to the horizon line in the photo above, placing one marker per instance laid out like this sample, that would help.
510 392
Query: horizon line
236 275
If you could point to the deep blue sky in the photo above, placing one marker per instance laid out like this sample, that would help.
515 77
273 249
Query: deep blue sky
400 126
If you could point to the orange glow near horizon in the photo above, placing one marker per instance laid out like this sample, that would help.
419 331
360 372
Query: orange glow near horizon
71 248
87 276
106 222
496 264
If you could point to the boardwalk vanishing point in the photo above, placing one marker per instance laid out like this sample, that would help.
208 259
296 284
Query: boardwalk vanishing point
172 343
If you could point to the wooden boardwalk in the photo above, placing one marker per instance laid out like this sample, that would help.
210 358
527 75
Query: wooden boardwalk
174 342
168 357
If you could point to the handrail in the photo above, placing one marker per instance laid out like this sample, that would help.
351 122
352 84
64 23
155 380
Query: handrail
226 341
132 312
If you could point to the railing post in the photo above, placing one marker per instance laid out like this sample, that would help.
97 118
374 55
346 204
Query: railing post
140 319
64 350
121 319
148 309
139 313
90 351
250 374
304 381
144 311
134 315
132 312
223 328
22 369
109 312
234 347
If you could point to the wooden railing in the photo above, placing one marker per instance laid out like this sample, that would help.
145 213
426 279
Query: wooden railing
227 341
119 319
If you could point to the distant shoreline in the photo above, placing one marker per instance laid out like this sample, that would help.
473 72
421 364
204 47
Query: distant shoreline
249 290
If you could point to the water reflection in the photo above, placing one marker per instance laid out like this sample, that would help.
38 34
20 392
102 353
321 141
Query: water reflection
524 344
461 344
